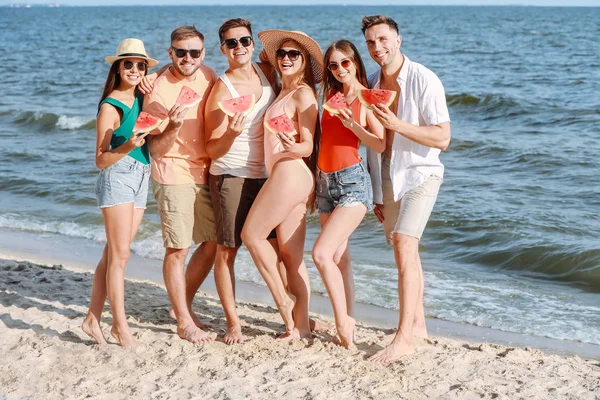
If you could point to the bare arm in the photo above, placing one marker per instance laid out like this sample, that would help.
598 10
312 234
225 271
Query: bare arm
436 136
374 139
108 121
147 83
220 130
269 72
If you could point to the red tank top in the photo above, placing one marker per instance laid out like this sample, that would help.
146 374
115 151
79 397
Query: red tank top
339 146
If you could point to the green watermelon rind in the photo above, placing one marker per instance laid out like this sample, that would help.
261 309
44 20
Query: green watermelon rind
274 130
226 108
189 104
140 120
365 92
330 105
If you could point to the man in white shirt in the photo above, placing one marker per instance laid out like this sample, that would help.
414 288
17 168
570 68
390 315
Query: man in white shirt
407 176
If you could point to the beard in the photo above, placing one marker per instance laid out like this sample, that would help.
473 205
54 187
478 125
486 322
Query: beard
186 72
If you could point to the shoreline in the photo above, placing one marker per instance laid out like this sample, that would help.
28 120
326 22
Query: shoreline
82 255
47 355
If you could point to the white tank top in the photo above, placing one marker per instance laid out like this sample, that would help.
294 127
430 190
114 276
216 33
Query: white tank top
246 157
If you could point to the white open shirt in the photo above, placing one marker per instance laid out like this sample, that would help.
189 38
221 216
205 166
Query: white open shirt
422 102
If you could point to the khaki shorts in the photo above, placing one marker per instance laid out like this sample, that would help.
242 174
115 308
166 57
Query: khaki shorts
186 214
232 198
408 216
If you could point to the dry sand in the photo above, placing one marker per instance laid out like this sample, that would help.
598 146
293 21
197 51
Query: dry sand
47 356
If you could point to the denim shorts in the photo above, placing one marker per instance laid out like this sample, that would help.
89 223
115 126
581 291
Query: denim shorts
125 181
343 188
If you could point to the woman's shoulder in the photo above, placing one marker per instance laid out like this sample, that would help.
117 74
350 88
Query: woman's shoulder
304 94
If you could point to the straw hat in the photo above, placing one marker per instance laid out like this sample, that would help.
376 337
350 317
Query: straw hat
131 48
273 38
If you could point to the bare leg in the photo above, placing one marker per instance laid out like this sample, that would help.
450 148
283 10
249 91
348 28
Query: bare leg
91 323
225 281
419 327
268 211
118 221
406 251
336 230
176 288
196 272
291 234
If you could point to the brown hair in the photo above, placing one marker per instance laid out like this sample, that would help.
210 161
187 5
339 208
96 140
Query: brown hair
329 82
185 32
234 23
373 20
113 80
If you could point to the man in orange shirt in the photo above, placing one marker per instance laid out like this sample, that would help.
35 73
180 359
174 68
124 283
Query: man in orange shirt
179 175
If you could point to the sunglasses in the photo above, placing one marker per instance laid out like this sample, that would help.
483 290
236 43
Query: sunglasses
292 54
181 53
334 66
142 66
233 42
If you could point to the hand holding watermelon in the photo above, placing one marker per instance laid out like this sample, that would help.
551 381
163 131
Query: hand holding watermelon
288 142
137 140
383 113
236 123
345 115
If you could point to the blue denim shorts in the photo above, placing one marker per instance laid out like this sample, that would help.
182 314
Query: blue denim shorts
125 181
344 188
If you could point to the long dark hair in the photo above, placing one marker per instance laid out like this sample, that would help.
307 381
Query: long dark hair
332 85
113 80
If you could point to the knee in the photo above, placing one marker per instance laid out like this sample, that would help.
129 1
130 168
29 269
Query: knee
175 256
225 256
248 238
406 250
321 257
119 257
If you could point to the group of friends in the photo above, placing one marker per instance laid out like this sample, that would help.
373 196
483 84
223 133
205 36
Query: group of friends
220 181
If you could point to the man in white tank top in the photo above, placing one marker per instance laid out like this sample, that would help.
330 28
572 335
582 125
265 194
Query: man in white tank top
235 146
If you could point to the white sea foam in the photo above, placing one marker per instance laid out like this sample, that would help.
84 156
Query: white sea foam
69 123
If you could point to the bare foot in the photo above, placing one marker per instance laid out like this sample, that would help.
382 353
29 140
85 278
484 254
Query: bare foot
318 326
124 338
234 334
91 327
195 318
193 334
399 348
293 335
346 333
287 314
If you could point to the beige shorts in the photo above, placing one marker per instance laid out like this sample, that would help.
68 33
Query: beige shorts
410 214
186 214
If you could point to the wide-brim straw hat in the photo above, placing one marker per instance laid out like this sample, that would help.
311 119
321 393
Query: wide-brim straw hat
273 38
131 48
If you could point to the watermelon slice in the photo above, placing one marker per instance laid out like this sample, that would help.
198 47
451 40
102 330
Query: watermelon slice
146 123
188 97
281 123
243 104
335 103
368 97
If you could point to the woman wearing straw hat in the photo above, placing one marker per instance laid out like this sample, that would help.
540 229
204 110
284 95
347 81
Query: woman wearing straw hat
283 200
122 186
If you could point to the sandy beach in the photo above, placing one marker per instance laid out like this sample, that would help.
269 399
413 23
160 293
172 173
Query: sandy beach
46 355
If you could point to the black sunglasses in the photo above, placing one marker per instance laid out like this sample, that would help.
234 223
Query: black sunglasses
180 53
233 42
142 66
334 66
292 54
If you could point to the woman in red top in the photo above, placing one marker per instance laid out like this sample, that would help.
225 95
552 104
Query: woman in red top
344 192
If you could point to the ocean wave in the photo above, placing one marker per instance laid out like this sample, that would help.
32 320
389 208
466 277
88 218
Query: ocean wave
47 121
546 262
29 223
487 106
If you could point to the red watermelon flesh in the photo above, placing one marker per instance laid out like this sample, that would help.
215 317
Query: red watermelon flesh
188 97
335 103
368 97
146 123
281 123
243 104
